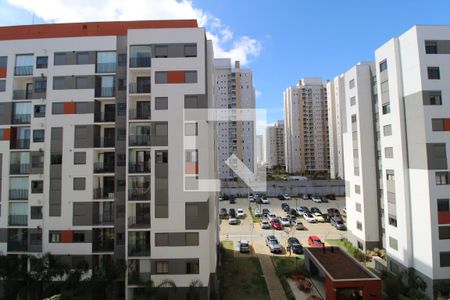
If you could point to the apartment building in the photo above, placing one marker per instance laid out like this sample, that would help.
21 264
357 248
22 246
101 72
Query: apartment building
306 126
87 168
336 124
404 154
259 149
234 90
275 144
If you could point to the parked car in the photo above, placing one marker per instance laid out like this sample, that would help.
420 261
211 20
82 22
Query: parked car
318 217
316 199
265 212
293 212
251 198
271 216
300 211
305 197
273 244
225 197
297 224
232 199
295 245
232 220
315 210
220 197
264 223
291 217
280 197
232 212
285 207
257 212
264 200
286 196
305 209
309 218
276 224
223 213
285 221
314 241
324 200
326 217
240 213
244 246
330 196
333 212
344 211
337 222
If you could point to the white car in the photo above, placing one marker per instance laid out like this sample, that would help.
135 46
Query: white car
286 197
309 218
316 199
271 216
265 224
264 200
299 211
285 221
251 198
257 212
316 215
232 221
240 213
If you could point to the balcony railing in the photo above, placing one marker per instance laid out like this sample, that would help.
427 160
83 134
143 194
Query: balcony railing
103 246
105 142
15 169
18 194
139 114
106 67
135 88
23 70
135 278
103 193
21 246
139 221
101 219
101 167
139 249
105 116
139 194
139 167
21 119
105 92
22 94
139 140
140 62
20 144
18 220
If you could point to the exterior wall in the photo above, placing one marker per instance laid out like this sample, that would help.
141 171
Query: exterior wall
275 145
371 288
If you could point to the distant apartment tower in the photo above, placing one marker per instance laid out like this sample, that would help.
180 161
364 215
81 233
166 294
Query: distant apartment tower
405 154
306 126
259 149
92 155
275 145
234 89
336 123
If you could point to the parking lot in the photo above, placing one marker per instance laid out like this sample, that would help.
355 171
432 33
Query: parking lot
252 232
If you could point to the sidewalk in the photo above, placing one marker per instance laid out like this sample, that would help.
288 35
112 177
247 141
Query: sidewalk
274 286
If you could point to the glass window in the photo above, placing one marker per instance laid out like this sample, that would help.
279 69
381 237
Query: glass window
161 129
3 61
190 77
393 243
351 83
387 130
190 50
79 184
161 103
442 178
58 83
140 56
38 135
79 158
36 212
192 239
161 239
386 108
434 73
392 220
82 58
191 129
54 237
24 60
352 101
161 51
432 98
2 85
106 62
37 186
58 108
383 66
443 205
82 82
431 47
60 58
162 267
160 77
41 62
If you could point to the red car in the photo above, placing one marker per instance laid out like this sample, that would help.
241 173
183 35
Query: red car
330 196
276 224
314 241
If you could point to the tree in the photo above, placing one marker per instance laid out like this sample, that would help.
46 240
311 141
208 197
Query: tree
105 276
194 289
151 291
13 270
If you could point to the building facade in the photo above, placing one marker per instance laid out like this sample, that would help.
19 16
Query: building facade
306 127
259 149
87 167
275 145
234 90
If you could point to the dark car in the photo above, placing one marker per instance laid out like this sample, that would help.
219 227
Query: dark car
232 199
281 197
293 212
333 212
265 212
330 197
305 209
295 245
285 207
291 217
338 222
326 217
315 210
232 212
223 212
225 197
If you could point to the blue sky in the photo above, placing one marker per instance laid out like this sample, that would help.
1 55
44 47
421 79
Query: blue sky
282 41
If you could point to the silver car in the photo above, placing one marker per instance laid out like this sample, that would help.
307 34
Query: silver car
265 224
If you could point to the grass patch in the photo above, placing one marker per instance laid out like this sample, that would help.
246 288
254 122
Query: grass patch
284 266
240 277
255 219
348 246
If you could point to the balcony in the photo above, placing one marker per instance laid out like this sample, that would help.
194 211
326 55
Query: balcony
139 114
18 169
20 144
136 278
99 193
18 246
18 194
139 140
139 249
102 167
140 62
22 95
104 92
139 221
21 119
101 219
139 194
106 67
139 167
105 116
23 70
18 220
135 88
103 246
105 142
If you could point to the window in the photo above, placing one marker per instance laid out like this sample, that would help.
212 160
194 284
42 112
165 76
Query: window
106 62
58 83
437 156
386 108
161 103
41 62
356 171
385 86
438 124
161 239
190 76
162 267
432 98
2 85
444 258
358 207
3 61
56 159
39 111
82 58
391 197
431 47
79 158
122 59
38 135
442 178
24 64
59 59
360 245
160 77
353 118
190 50
383 66
352 83
443 205
388 152
161 157
192 267
78 237
192 210
352 101
36 212
390 175
79 184
392 220
192 239
359 225
444 232
433 73
54 237
82 82
161 51
37 186
357 189
191 129
393 243
387 130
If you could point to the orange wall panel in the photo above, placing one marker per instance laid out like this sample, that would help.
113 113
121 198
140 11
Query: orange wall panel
3 72
69 108
175 77
447 124
443 217
66 236
191 168
6 134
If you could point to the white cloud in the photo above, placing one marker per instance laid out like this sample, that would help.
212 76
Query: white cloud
258 93
62 11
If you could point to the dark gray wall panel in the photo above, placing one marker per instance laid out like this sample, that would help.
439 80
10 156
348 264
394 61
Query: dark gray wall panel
55 173
82 214
5 113
201 220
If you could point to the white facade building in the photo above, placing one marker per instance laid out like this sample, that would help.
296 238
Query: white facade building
275 145
234 90
306 126
92 148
